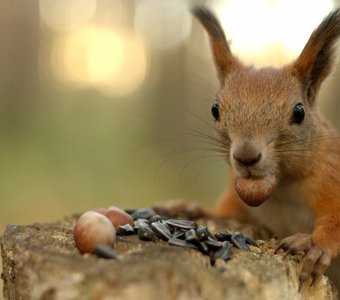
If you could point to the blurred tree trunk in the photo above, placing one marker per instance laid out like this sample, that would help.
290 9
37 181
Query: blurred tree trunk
19 42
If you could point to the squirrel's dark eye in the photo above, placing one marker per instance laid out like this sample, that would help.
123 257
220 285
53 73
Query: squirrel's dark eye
298 113
215 111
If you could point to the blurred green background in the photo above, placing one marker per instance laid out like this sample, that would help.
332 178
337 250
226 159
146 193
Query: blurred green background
104 102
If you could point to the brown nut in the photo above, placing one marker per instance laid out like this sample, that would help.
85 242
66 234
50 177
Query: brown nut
100 210
254 192
118 217
91 229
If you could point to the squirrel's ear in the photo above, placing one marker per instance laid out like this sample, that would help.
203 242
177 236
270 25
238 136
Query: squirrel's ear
317 57
225 62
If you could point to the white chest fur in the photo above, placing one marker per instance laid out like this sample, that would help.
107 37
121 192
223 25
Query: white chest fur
285 213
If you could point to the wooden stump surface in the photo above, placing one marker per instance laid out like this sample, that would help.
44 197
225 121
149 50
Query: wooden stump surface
40 261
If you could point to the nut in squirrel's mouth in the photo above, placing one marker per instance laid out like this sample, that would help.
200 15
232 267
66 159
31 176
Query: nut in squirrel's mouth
254 191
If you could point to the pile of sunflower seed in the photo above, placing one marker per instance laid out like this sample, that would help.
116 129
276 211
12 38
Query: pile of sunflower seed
184 233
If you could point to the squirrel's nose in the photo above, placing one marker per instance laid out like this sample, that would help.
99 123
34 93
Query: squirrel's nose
247 155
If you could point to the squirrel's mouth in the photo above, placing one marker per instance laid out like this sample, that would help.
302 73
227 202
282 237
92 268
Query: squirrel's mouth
254 191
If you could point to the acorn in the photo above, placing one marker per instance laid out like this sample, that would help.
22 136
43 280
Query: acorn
93 228
118 217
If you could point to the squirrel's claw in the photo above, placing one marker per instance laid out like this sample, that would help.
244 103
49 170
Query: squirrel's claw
293 243
314 265
316 259
322 260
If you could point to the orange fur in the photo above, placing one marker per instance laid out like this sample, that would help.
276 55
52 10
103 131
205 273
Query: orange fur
260 132
230 206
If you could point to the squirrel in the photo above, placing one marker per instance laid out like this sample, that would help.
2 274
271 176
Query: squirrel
283 156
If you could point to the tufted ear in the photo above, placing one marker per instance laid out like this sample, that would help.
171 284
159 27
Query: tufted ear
225 62
317 58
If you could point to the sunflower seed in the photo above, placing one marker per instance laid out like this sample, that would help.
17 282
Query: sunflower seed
202 247
223 253
179 233
212 242
191 236
126 229
184 224
105 251
143 213
223 236
183 233
250 241
140 222
202 232
161 231
145 232
155 218
239 241
169 227
181 243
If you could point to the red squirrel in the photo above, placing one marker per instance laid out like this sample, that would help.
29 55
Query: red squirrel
283 156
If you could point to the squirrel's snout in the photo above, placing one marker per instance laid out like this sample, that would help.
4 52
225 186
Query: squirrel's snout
247 155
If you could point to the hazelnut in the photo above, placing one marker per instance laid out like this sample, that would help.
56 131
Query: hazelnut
254 192
91 229
118 217
100 210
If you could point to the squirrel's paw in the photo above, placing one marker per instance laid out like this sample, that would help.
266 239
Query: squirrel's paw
296 242
181 208
316 259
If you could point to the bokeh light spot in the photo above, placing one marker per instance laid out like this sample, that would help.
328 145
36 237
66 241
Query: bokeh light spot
62 15
96 56
163 24
254 26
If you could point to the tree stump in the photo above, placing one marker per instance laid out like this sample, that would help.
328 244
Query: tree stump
40 261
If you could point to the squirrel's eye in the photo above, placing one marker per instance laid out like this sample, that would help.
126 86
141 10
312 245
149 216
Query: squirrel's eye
298 113
215 111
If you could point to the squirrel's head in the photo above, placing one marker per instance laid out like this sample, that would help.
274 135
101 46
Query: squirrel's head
266 118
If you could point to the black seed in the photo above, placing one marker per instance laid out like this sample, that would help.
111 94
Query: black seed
126 229
223 236
161 231
250 241
185 224
105 251
202 247
183 233
181 243
145 232
170 228
130 211
140 222
213 243
190 236
222 253
202 232
225 250
179 233
143 213
155 218
239 241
